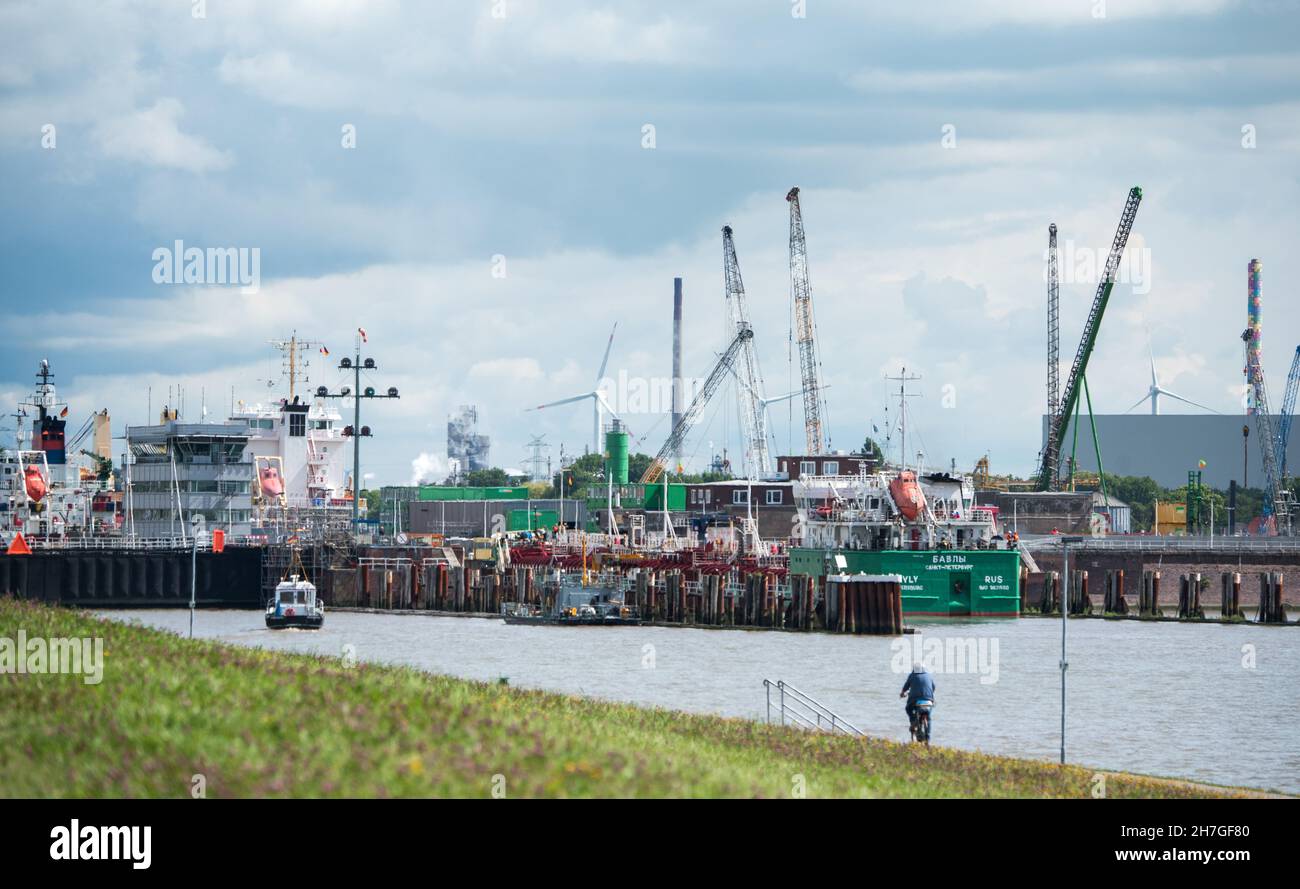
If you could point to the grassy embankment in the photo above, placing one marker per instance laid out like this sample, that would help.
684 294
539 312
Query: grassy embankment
257 723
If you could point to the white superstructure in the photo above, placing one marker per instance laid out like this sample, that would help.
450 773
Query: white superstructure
304 442
862 512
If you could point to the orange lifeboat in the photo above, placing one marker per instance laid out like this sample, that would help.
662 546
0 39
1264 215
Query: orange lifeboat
272 484
35 483
907 494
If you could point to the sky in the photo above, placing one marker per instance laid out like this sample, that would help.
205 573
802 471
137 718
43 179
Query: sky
488 187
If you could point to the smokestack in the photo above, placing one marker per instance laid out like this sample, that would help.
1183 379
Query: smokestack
677 356
1253 326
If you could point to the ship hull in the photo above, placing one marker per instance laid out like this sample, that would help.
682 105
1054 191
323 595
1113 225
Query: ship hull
935 583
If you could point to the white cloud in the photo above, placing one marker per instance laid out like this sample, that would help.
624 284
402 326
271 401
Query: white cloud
153 137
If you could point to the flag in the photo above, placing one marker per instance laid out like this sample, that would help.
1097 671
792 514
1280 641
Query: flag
362 331
63 413
324 351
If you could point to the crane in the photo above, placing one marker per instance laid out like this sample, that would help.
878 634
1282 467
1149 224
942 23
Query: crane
805 328
1053 324
1276 505
750 392
1288 411
1050 467
692 414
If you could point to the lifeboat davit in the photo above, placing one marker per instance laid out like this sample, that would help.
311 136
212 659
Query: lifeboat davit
272 484
35 483
907 494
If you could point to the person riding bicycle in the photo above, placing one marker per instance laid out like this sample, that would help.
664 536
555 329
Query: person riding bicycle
919 686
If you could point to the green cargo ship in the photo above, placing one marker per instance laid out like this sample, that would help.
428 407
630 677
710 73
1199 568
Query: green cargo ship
936 583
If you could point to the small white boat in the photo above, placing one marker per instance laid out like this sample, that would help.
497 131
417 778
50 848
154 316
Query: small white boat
295 605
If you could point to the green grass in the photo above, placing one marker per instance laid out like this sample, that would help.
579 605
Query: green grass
258 723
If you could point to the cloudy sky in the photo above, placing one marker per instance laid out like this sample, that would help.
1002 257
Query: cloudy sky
505 203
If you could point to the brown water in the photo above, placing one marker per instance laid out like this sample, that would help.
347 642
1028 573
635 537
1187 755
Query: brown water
1168 699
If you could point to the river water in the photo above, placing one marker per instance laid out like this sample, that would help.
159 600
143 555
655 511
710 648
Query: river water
1209 703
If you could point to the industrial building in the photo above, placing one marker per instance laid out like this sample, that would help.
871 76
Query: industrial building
1165 447
482 518
1066 512
464 443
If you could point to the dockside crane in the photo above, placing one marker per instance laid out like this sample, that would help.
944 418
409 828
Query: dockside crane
1277 499
1053 324
1288 412
805 329
692 415
1051 459
750 393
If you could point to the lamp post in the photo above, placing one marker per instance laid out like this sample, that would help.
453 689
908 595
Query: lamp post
1065 612
356 431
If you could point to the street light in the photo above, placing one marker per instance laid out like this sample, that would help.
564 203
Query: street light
356 431
1065 611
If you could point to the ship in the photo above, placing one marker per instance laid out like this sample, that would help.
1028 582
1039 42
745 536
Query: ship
43 494
574 603
924 527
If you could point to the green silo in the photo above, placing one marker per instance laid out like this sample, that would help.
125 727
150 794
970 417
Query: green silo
616 443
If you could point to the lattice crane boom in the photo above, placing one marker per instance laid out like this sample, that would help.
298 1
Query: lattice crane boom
750 394
1050 466
1276 500
1053 324
698 403
1288 412
805 329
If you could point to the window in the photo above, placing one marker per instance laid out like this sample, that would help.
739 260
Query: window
831 467
807 467
774 498
741 496
297 425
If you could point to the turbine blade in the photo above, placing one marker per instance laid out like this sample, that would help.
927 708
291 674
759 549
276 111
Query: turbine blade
564 401
600 397
1188 401
604 361
1139 404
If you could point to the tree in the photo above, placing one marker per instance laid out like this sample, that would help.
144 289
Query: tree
871 449
487 478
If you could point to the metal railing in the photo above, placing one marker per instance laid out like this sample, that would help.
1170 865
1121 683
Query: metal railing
111 542
796 708
1152 542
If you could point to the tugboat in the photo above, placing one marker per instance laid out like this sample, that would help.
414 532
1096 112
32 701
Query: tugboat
576 605
295 606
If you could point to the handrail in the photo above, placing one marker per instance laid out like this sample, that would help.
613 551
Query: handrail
806 711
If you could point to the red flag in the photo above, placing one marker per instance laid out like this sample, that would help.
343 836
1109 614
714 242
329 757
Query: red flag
63 413
324 351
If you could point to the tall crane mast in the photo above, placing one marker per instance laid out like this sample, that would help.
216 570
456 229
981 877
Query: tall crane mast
805 329
750 393
1050 467
1276 497
1288 412
1053 324
698 403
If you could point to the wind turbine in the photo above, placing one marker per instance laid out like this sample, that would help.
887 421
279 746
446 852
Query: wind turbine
1156 390
599 404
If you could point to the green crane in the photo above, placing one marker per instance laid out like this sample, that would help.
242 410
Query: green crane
1060 420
